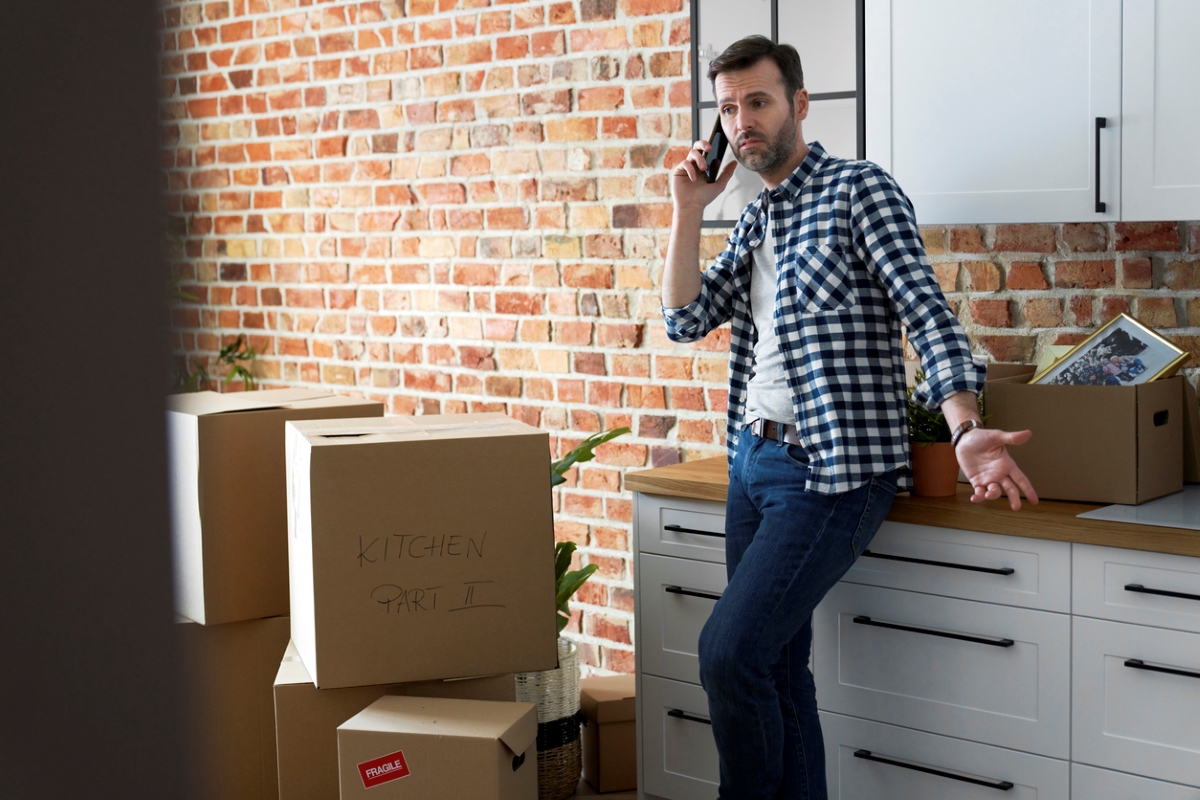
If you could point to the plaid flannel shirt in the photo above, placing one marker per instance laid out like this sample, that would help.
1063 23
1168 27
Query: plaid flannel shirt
852 270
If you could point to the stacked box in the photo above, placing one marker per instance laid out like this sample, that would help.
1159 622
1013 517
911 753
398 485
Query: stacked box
609 707
229 497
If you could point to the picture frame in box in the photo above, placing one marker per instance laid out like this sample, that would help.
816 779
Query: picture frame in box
1122 352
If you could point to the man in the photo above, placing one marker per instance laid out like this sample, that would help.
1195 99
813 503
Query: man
817 279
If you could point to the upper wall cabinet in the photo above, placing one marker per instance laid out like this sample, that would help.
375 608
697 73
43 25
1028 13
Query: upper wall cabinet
1160 99
997 111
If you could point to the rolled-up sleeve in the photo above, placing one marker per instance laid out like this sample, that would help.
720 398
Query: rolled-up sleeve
714 306
888 242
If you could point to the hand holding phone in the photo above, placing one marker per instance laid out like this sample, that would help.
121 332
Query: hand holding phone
717 154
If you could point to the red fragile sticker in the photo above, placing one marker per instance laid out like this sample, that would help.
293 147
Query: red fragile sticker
383 769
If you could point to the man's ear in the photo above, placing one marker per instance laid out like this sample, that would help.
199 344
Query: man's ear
800 103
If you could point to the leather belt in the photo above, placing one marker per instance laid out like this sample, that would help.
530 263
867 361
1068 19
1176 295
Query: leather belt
775 431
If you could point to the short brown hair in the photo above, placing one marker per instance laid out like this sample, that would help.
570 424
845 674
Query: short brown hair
745 53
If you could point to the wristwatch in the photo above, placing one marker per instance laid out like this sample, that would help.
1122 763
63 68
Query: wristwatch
963 427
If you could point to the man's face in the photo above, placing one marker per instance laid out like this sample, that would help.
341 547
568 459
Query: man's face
760 123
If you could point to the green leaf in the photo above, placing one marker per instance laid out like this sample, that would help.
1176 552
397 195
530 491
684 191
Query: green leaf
584 451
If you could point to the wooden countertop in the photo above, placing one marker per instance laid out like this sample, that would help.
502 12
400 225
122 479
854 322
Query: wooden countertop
708 479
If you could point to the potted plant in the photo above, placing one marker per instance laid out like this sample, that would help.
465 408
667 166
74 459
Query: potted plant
934 465
556 691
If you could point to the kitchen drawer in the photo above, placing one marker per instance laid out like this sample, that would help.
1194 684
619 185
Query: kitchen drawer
680 527
675 597
960 768
1031 573
1129 586
1014 696
679 755
1089 783
1134 719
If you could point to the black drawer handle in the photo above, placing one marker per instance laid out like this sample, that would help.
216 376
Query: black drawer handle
869 756
690 593
1137 587
675 712
1101 122
1137 663
951 565
680 529
861 620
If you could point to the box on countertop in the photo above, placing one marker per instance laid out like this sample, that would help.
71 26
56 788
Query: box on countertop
609 706
306 720
439 749
229 497
229 714
421 548
1094 444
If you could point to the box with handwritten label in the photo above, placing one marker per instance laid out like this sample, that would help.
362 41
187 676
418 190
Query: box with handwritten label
420 548
439 749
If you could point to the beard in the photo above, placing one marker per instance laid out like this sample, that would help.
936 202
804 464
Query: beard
774 154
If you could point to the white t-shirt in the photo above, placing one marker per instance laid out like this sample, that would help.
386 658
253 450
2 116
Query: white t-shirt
767 395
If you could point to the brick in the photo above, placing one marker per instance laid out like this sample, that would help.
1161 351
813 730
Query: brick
547 43
1146 236
1194 237
966 240
1137 273
991 313
946 273
1182 275
1192 307
469 53
597 10
1085 237
509 47
618 335
985 276
1156 312
1043 312
606 39
1085 274
1112 306
443 193
571 129
1081 309
603 98
1024 238
667 64
549 102
1018 349
619 128
644 8
1026 275
588 276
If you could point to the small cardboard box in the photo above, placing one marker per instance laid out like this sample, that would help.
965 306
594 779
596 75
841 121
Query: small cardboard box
1191 434
229 711
609 705
1094 444
439 749
306 720
422 548
229 497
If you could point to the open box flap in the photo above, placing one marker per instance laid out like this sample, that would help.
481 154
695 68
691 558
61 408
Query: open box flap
204 403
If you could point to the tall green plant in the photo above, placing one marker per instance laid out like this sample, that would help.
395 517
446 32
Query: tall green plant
566 580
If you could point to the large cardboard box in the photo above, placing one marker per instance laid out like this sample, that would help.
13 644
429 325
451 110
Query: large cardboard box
609 706
229 497
439 749
1095 444
306 720
421 548
229 710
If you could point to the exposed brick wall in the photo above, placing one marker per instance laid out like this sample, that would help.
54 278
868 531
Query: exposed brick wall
462 205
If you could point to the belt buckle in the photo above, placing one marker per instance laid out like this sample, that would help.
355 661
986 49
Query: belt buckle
758 426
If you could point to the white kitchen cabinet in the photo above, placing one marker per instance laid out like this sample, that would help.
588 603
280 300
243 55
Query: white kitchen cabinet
1137 586
986 111
678 756
1160 110
1089 783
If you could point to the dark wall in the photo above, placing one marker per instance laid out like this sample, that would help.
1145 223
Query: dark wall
88 673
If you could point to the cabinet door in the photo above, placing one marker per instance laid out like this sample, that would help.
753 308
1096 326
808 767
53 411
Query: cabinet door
1136 586
1089 783
1160 160
675 598
678 752
871 761
986 112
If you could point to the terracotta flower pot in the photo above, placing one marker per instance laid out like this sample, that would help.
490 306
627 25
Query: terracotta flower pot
935 469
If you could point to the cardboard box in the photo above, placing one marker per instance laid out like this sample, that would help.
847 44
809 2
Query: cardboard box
229 497
1191 434
439 749
609 706
306 720
421 548
1095 444
229 710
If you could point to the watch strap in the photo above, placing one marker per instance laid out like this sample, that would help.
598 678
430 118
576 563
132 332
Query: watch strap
963 427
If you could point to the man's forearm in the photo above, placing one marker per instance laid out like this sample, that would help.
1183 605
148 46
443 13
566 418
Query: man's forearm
681 273
959 408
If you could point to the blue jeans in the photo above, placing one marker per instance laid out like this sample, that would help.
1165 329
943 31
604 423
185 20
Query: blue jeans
785 548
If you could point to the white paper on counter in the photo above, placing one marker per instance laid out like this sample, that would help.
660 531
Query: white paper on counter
1179 510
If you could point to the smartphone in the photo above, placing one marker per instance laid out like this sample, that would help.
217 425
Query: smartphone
717 154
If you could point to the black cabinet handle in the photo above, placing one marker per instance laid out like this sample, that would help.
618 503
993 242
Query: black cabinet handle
862 620
869 756
1101 122
675 712
1137 587
949 564
679 529
1137 663
690 593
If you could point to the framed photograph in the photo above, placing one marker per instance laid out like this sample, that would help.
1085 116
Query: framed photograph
1123 352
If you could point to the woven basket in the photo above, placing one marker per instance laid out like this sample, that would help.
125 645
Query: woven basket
555 692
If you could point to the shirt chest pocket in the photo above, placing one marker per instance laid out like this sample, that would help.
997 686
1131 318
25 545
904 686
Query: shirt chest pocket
818 278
